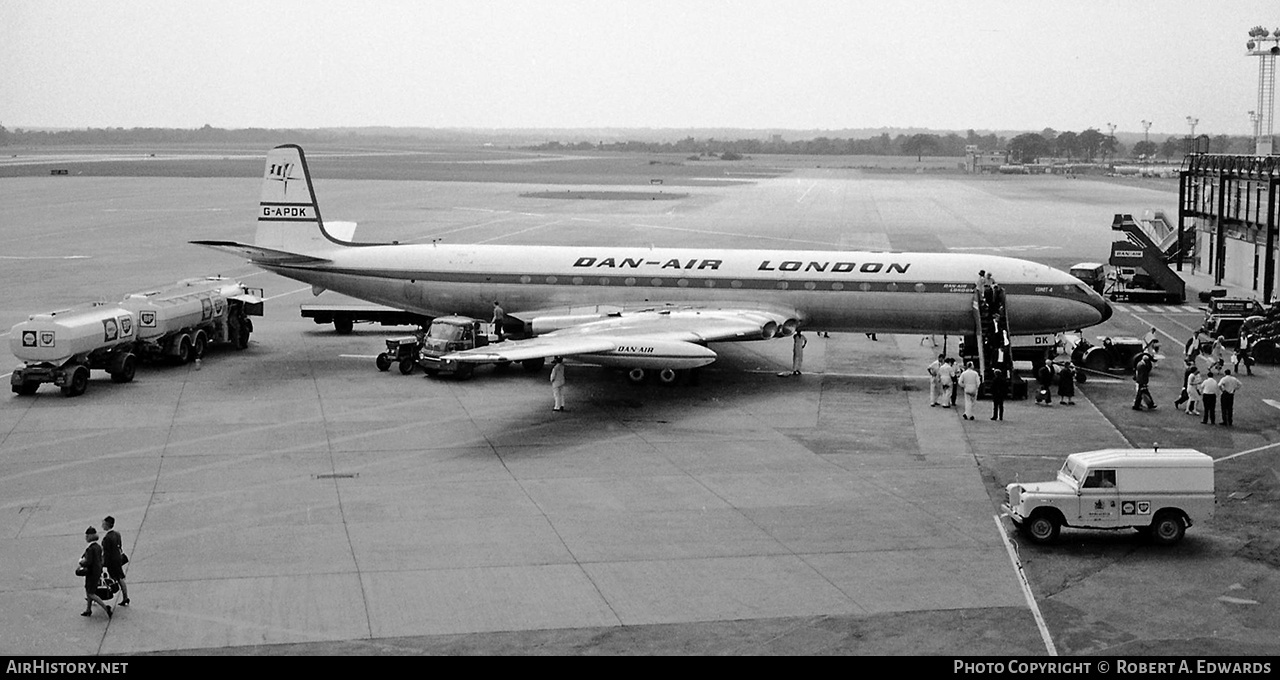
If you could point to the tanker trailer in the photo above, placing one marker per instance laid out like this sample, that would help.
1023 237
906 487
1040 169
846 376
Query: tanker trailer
181 321
61 347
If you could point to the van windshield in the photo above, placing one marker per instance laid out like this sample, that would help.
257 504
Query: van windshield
1073 470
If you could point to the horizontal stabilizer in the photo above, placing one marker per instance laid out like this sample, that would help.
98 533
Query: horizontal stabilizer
260 255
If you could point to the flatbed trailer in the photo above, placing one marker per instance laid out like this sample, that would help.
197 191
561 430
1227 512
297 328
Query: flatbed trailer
344 317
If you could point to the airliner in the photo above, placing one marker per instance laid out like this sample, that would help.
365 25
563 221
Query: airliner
652 311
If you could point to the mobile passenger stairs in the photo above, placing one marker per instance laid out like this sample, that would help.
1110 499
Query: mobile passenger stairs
991 345
1141 261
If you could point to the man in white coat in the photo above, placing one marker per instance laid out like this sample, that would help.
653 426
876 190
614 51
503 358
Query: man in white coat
935 379
557 382
969 382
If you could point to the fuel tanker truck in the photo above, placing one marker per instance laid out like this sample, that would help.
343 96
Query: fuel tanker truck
176 323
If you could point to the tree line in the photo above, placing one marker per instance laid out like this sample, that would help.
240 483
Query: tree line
1088 146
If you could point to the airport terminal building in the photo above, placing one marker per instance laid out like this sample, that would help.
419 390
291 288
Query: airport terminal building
1232 202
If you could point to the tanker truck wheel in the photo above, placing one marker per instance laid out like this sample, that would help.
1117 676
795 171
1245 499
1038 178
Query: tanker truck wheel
183 354
26 388
77 383
242 342
199 345
124 373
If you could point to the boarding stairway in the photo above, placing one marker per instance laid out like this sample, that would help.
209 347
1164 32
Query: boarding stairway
1163 234
1152 279
991 320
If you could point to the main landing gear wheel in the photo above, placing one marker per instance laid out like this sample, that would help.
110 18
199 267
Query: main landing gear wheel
533 365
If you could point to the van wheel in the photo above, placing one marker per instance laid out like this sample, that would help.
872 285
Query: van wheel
1043 528
1168 528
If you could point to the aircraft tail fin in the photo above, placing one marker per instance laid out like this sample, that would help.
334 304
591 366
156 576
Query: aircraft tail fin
288 214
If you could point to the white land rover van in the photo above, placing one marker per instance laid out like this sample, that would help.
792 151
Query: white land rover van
1156 491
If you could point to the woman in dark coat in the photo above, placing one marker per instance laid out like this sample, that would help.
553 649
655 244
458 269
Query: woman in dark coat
92 563
1067 384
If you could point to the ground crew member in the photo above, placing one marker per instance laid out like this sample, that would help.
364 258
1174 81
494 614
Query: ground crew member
797 352
969 382
950 378
935 379
1209 399
1142 376
1227 388
499 320
557 383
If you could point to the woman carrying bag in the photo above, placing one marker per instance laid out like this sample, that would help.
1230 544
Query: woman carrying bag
91 568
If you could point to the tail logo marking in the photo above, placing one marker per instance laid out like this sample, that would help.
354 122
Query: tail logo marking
281 172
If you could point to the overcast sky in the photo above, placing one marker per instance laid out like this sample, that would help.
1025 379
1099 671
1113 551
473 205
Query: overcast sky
783 64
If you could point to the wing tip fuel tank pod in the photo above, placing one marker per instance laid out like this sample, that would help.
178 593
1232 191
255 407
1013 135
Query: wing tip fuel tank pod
673 295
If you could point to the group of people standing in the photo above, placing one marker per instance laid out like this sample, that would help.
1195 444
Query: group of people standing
1208 391
946 383
1050 375
1207 379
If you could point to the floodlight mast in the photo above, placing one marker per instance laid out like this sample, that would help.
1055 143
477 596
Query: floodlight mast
1264 45
1146 137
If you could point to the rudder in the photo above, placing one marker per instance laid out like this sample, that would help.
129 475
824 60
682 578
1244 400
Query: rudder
288 214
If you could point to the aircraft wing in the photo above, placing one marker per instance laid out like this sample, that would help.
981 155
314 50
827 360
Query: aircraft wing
258 254
535 348
677 334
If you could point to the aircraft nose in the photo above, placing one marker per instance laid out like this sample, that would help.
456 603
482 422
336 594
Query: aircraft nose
1106 310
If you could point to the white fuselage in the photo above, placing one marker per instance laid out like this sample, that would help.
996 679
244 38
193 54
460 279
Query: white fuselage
880 292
